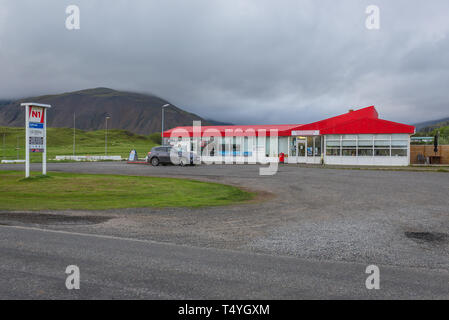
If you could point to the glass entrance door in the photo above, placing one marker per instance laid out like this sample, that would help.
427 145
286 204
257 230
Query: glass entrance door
301 147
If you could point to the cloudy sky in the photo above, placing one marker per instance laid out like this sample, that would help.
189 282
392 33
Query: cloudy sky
243 61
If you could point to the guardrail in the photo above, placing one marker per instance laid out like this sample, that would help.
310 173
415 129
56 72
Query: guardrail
13 161
88 158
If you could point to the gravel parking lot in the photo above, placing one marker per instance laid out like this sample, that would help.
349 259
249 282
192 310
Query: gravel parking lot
396 218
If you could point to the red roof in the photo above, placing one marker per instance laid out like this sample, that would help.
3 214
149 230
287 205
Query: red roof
369 112
363 121
235 131
371 126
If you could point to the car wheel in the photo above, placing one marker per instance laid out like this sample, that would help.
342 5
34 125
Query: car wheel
155 162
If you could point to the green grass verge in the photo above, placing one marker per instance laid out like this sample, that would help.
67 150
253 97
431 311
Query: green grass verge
67 191
60 143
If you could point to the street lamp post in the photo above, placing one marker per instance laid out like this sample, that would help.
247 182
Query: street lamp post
106 137
163 115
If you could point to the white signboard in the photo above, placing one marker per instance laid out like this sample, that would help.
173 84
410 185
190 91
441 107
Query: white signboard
306 133
36 144
35 133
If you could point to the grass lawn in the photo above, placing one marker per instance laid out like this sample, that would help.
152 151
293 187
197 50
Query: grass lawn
60 143
64 191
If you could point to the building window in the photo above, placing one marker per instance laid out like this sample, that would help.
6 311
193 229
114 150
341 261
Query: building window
333 145
382 146
365 152
349 146
314 146
349 152
382 152
293 147
401 144
310 146
399 148
317 146
398 152
367 145
332 151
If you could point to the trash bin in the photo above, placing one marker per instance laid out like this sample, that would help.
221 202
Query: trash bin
281 157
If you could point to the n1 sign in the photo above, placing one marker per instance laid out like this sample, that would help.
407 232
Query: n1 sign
36 114
35 133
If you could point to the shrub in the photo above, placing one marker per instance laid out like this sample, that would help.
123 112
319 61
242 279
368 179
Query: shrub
156 137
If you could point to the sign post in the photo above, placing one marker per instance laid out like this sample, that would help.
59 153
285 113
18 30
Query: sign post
35 133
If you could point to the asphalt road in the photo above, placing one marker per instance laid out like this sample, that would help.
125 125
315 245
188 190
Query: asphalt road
33 264
311 234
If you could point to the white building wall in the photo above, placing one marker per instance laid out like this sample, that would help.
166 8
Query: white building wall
366 161
256 149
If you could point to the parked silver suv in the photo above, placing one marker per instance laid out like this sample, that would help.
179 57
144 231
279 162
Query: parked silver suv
169 155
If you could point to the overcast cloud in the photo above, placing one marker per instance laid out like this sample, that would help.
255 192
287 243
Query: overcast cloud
258 61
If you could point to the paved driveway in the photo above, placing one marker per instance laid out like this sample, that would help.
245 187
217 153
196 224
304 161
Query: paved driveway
396 218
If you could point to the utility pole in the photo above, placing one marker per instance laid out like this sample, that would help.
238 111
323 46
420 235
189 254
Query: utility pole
74 133
163 121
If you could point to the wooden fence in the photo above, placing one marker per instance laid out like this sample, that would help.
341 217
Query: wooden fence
419 154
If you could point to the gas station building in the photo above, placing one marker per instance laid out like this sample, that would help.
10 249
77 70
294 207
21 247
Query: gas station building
358 137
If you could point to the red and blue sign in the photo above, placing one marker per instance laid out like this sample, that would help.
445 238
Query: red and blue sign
36 114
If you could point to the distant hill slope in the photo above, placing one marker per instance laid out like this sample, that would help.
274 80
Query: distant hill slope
428 126
135 112
219 123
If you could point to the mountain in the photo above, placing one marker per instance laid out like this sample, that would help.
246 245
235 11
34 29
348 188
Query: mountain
219 123
135 112
4 102
428 126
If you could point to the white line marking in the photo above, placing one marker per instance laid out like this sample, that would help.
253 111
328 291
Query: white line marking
86 235
100 236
